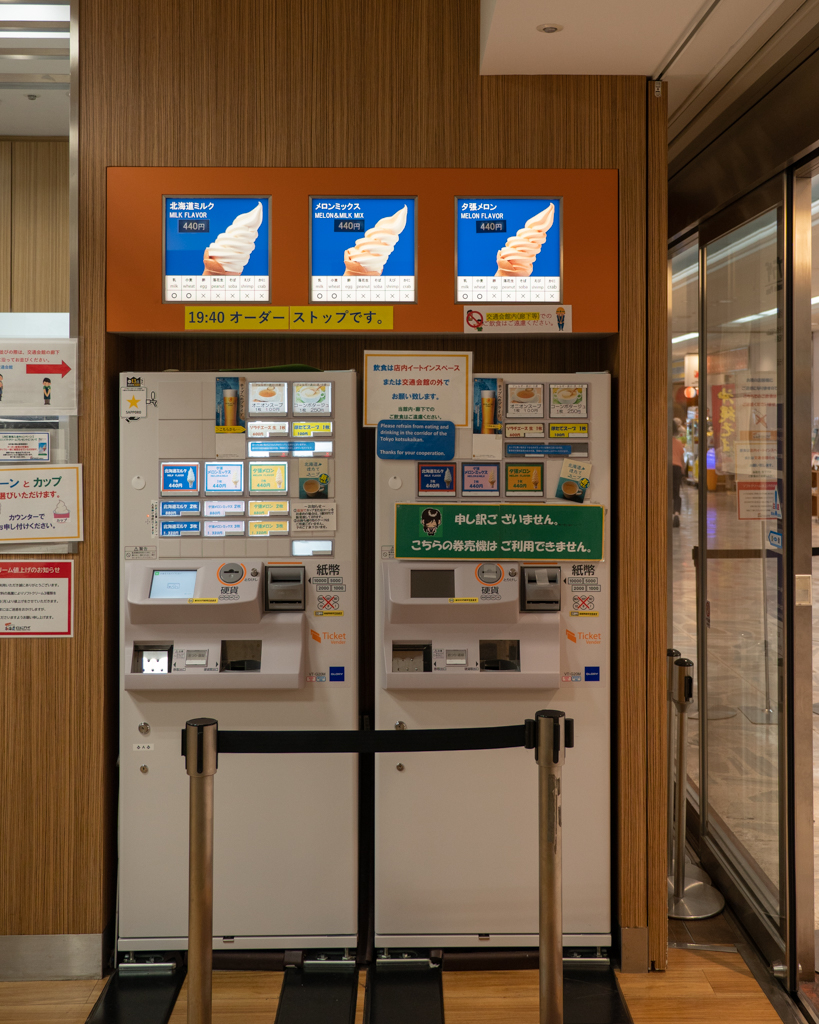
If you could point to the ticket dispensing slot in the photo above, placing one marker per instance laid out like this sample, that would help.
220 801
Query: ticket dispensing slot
483 625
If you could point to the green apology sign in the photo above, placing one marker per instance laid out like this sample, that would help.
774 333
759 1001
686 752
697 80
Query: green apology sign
501 531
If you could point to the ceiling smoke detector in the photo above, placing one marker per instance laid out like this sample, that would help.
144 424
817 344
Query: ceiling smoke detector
549 29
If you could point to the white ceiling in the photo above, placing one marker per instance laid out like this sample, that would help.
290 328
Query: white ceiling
684 42
34 69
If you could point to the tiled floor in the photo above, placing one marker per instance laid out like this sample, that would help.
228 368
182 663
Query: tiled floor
743 769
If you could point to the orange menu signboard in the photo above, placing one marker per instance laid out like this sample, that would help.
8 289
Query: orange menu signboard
215 238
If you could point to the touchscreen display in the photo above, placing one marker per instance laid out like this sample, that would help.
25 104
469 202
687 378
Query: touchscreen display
173 583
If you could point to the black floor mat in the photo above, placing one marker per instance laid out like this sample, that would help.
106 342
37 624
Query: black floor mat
309 997
591 996
404 996
138 1000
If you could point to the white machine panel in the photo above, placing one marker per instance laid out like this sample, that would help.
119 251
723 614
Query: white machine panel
489 640
238 602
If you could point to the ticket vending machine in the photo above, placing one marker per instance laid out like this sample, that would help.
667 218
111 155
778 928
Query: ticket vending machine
493 596
238 602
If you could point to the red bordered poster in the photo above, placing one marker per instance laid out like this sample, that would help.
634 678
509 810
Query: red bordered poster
37 598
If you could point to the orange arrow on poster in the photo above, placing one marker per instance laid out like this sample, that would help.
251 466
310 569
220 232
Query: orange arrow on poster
62 368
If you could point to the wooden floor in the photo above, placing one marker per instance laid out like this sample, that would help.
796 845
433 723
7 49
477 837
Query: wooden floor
39 1002
698 988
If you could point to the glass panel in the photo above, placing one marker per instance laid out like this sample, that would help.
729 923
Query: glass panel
814 291
685 284
744 642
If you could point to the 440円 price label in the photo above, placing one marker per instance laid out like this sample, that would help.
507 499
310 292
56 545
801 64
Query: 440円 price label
502 531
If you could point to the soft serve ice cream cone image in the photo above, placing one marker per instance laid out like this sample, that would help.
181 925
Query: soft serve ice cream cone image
517 257
369 254
227 256
61 512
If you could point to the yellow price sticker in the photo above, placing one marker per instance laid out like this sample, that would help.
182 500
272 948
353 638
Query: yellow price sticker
341 318
236 318
264 529
292 318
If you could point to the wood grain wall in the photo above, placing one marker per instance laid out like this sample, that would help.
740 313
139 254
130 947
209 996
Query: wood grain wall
34 226
344 83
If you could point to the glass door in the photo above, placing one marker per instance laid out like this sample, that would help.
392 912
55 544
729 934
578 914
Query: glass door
743 613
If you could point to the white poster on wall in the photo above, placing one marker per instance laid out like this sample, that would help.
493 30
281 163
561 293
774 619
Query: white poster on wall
424 386
38 377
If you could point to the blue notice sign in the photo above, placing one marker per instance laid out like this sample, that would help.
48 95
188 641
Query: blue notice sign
281 447
436 478
415 439
180 478
539 449
178 529
775 540
179 508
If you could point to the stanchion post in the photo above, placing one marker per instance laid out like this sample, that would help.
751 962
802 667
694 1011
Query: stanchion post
555 733
683 697
201 762
671 655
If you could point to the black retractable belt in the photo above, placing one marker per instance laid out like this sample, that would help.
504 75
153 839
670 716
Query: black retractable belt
374 741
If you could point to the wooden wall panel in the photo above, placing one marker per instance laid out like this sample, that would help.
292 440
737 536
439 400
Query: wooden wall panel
630 146
39 227
5 227
347 83
657 463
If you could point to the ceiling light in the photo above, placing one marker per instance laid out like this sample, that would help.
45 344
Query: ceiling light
685 337
35 12
16 34
549 29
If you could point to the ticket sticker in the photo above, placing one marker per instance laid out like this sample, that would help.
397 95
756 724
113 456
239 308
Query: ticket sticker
480 478
524 478
261 429
573 430
223 529
312 428
180 478
268 508
179 529
179 508
268 527
568 401
524 430
269 397
314 478
524 400
437 478
224 477
268 477
224 508
312 398
574 480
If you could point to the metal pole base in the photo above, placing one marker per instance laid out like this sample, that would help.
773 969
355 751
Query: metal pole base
692 874
699 900
760 716
715 713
